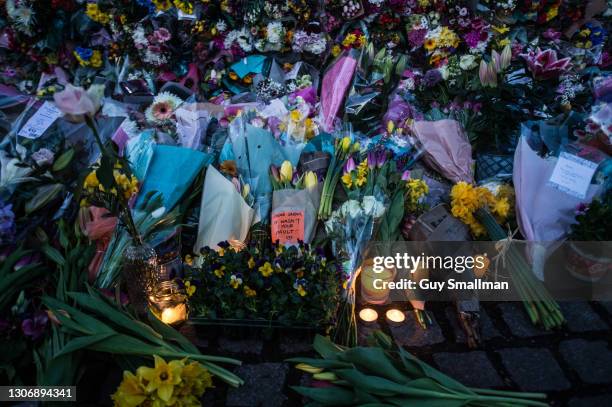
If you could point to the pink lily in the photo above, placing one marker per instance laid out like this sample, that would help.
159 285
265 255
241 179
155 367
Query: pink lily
545 64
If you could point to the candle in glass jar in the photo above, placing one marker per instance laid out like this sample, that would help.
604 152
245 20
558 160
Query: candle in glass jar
174 314
395 316
368 315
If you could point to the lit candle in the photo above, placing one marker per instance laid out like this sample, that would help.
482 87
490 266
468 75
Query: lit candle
395 317
368 315
175 314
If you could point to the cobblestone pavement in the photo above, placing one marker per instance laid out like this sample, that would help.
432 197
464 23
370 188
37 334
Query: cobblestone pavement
573 365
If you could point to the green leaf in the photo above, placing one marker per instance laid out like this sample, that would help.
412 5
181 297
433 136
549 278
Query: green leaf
53 255
83 342
63 160
104 173
44 194
374 360
329 396
171 334
325 347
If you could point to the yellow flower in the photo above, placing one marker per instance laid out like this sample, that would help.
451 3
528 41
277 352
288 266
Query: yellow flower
249 292
251 263
336 50
196 379
162 378
430 44
310 180
91 181
286 171
235 281
131 392
295 115
190 288
501 29
221 251
301 291
162 5
345 144
347 180
266 270
219 272
501 207
503 42
361 180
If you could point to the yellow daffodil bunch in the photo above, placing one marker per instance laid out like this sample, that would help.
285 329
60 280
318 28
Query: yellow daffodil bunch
97 15
185 6
415 190
467 198
174 383
355 176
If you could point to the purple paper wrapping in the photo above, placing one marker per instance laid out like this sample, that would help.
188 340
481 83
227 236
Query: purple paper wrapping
335 84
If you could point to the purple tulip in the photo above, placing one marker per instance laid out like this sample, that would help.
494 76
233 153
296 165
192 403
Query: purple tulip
372 160
406 175
545 64
381 158
35 327
349 166
275 173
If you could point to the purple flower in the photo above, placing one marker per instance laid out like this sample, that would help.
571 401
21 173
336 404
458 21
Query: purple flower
7 223
35 327
349 165
432 78
43 157
371 160
381 158
472 39
582 208
416 38
406 175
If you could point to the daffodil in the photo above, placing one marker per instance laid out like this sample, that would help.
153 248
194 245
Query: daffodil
162 378
131 391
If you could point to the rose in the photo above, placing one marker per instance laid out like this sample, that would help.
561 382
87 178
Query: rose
76 103
350 208
43 157
467 62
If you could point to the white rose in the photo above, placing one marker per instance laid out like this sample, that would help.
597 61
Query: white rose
373 207
350 208
467 62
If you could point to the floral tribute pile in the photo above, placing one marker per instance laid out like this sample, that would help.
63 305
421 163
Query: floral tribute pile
230 161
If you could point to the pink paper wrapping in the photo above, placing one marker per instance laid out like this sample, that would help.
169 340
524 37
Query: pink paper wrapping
333 90
98 227
543 213
447 149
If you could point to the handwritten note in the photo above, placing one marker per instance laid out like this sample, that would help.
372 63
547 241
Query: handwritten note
573 174
288 227
40 121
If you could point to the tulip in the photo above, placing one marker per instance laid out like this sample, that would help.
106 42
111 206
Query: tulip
390 126
356 147
406 175
274 172
349 166
506 57
345 144
308 369
327 376
76 103
496 58
381 158
310 180
286 171
371 159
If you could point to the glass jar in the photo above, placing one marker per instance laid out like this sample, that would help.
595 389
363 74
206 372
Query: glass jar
168 302
139 273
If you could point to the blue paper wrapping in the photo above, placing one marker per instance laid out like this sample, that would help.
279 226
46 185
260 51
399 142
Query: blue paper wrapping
171 171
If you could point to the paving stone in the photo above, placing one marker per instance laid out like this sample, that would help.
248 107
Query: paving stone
410 332
263 386
534 369
241 346
518 321
581 317
293 344
472 368
604 400
591 359
487 329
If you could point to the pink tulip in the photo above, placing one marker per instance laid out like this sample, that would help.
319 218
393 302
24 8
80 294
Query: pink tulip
349 165
545 65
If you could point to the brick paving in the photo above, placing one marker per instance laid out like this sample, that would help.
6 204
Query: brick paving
572 365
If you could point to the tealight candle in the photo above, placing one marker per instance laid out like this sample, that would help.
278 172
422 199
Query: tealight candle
169 303
395 316
368 315
175 314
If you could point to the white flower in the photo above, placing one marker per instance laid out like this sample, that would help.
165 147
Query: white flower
10 173
275 32
221 26
22 15
350 208
140 38
373 207
467 62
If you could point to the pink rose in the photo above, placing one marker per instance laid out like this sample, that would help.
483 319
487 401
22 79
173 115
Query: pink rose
75 102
